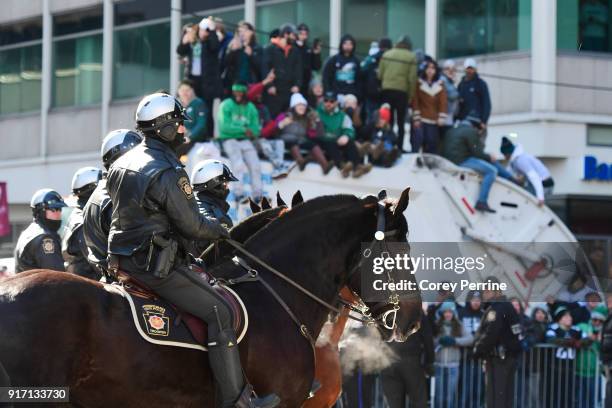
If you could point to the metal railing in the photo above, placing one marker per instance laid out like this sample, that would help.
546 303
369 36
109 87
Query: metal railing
547 376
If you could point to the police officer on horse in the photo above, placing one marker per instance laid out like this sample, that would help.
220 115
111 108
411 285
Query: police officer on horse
99 209
74 247
38 246
154 209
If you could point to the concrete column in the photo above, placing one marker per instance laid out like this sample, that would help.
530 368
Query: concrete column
107 64
175 38
543 54
250 11
335 24
47 67
431 28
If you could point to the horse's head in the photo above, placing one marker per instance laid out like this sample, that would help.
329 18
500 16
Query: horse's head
398 316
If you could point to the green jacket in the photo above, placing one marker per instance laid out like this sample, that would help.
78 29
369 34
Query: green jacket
335 124
197 125
398 70
234 119
588 357
461 143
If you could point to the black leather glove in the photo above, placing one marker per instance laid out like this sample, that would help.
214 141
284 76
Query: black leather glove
219 231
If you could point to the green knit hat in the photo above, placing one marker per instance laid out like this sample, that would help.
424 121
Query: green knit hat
600 312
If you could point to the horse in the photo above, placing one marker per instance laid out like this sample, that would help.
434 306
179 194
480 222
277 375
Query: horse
65 330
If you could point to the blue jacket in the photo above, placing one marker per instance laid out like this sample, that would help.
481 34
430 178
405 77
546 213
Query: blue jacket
474 99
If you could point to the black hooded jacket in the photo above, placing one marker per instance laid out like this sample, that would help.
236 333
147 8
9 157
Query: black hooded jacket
341 73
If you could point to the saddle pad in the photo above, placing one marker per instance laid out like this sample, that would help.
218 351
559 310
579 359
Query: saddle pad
157 321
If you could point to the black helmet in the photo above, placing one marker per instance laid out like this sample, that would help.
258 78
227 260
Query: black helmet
211 176
160 115
46 199
116 143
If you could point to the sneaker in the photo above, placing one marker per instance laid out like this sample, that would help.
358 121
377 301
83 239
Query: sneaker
279 173
328 168
362 169
346 169
289 166
484 207
377 151
363 148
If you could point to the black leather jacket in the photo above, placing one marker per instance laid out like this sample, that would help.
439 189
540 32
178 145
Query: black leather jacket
74 248
96 225
152 195
500 326
213 208
38 248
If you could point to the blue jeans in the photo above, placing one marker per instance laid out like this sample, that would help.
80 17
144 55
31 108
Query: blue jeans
446 387
488 172
587 397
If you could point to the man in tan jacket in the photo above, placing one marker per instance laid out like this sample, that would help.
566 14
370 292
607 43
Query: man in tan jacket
398 75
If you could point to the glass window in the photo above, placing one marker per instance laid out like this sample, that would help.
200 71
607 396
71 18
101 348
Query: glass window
193 6
77 72
315 13
21 32
141 62
20 79
584 25
354 15
272 16
136 11
406 17
84 20
483 26
599 135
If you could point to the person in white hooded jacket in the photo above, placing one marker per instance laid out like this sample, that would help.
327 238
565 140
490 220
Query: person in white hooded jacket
523 164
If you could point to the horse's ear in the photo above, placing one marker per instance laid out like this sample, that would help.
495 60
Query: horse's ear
265 204
369 201
254 207
279 200
297 199
382 194
402 203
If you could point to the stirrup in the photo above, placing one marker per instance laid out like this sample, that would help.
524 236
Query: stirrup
247 400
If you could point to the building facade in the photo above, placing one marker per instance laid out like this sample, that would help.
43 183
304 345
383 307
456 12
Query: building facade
71 70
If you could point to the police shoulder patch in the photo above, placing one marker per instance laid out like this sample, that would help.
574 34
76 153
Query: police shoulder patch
185 186
491 316
48 246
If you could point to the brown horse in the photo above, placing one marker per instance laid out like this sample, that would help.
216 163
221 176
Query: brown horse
61 329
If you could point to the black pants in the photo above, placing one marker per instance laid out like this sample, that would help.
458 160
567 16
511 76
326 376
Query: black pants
399 103
341 154
209 99
405 378
500 382
277 103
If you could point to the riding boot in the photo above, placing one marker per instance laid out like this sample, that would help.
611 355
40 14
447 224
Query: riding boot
297 156
224 360
319 157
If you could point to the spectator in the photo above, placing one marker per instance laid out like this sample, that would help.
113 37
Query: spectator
524 165
432 307
471 372
452 96
380 140
311 57
270 147
397 72
202 147
429 110
282 57
315 93
464 148
369 72
474 97
588 359
243 61
538 361
299 129
568 338
225 38
450 336
350 106
338 140
606 353
202 54
238 126
341 73
407 377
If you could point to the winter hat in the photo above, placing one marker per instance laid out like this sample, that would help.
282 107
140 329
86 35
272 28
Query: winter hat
449 63
384 112
373 48
507 147
473 294
559 313
384 43
207 24
447 305
297 99
404 42
470 63
349 100
600 312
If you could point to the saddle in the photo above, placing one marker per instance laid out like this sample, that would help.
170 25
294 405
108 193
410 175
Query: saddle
160 322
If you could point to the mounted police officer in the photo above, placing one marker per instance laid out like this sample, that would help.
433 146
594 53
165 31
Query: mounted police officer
154 208
210 179
74 247
99 209
498 341
39 245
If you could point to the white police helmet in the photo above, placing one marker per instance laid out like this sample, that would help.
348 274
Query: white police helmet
116 143
85 180
211 175
160 114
